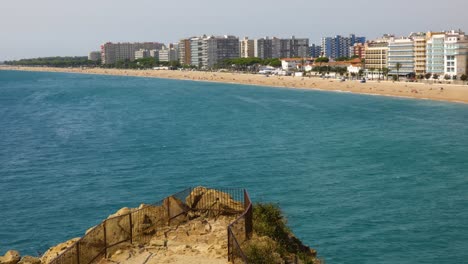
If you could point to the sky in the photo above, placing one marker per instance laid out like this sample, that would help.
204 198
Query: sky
40 28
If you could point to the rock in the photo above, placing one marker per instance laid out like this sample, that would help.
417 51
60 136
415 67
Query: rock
195 196
122 211
29 260
176 208
10 257
158 242
202 198
53 252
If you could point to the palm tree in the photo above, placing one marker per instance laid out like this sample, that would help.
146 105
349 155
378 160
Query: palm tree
385 72
398 67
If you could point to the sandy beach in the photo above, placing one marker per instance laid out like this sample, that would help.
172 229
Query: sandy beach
432 91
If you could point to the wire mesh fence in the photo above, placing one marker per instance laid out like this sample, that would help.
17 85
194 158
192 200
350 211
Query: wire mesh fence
141 224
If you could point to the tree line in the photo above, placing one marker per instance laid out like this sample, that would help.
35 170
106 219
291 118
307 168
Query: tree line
54 62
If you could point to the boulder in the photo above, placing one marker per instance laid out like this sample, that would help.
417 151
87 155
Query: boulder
10 257
29 260
202 198
195 196
54 251
122 211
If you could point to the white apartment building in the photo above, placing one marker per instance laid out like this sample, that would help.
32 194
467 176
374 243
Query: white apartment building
207 51
141 54
447 53
113 52
401 52
168 55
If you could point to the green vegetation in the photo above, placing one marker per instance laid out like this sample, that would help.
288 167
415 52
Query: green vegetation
328 69
398 67
55 62
322 59
427 75
247 64
464 77
273 241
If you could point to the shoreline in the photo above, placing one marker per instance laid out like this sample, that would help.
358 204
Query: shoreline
425 91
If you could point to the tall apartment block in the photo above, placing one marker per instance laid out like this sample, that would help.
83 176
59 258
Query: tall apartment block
315 51
168 55
338 46
113 52
401 51
263 48
207 51
185 57
141 54
420 43
247 48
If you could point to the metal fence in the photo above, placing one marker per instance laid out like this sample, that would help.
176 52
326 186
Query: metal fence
240 231
141 224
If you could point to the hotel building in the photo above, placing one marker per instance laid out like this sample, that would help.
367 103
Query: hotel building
401 51
185 56
420 43
358 49
435 53
376 54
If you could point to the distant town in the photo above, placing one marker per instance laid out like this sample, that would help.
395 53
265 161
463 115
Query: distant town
422 55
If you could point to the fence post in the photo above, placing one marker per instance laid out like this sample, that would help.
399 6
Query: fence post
105 239
131 227
248 216
168 211
229 244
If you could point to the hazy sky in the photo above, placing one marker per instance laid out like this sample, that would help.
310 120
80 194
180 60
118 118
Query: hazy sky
35 28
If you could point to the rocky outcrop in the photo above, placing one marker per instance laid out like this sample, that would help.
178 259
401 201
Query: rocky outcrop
29 260
55 251
10 257
202 198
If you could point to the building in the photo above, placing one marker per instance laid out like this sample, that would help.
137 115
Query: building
247 48
435 53
338 46
141 54
154 54
455 54
420 43
94 56
184 52
358 50
267 48
207 51
113 52
263 48
401 53
376 54
168 55
315 51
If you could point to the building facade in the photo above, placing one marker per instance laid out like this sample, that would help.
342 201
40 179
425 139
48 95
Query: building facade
207 51
315 51
420 43
247 48
338 46
358 50
168 55
263 48
141 54
401 56
113 52
185 56
376 54
435 53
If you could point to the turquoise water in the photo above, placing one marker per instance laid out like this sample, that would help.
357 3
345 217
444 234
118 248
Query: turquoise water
363 179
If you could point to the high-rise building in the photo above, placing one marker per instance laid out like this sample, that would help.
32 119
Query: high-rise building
263 48
207 51
338 46
420 43
94 56
435 53
113 52
455 53
315 51
401 56
185 57
247 48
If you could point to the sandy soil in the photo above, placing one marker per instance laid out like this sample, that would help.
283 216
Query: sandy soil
440 92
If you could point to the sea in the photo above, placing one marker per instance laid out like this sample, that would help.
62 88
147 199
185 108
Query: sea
360 178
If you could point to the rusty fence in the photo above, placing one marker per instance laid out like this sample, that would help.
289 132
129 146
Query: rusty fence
240 231
140 225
